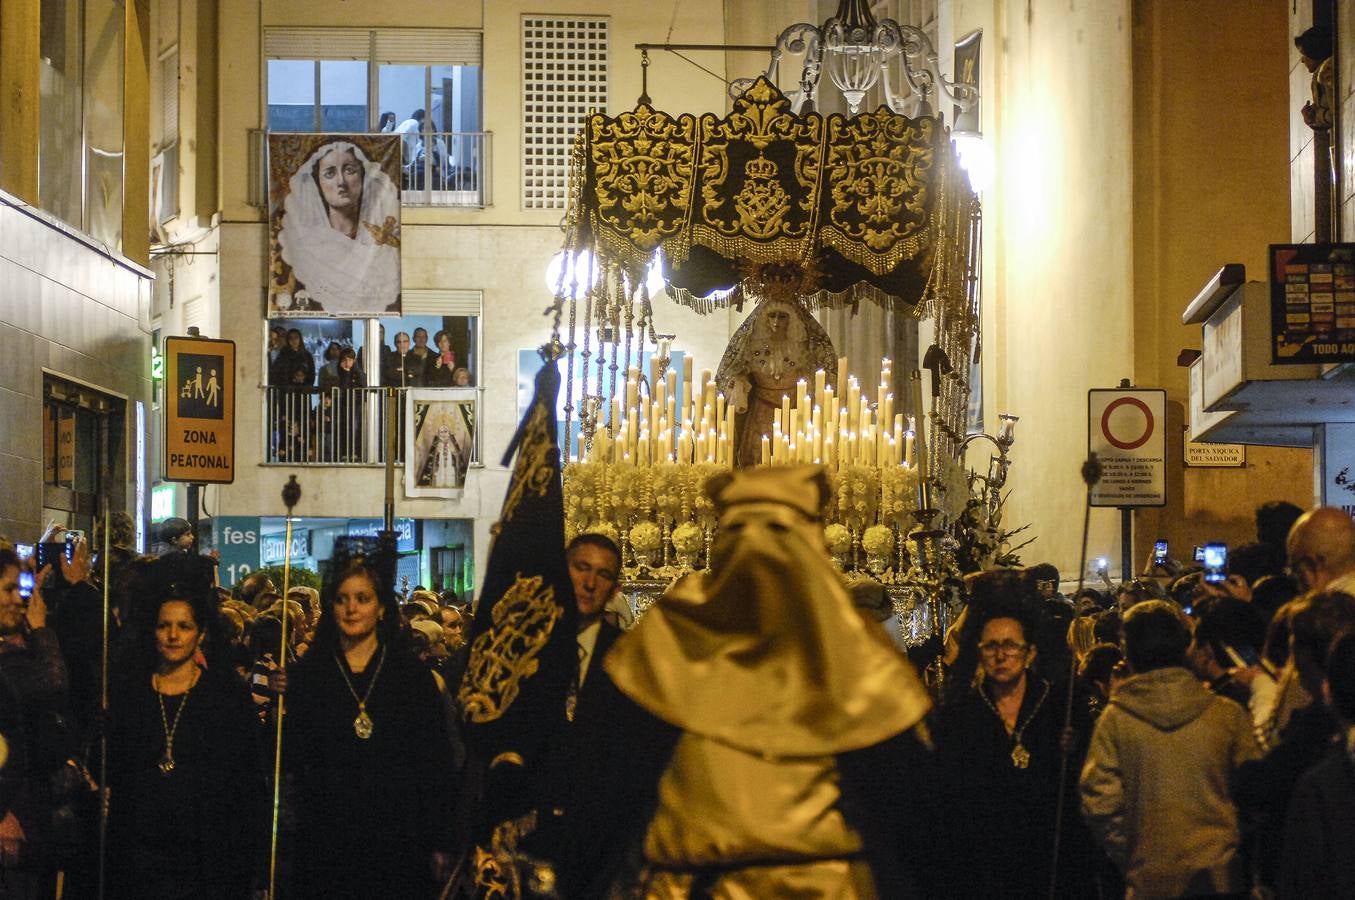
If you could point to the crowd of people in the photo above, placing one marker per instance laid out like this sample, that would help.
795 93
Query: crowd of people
318 412
195 684
1169 737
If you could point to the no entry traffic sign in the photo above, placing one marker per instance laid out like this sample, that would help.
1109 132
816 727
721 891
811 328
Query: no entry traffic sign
1126 429
199 410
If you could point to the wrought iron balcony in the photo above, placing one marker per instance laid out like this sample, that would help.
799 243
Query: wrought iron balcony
449 169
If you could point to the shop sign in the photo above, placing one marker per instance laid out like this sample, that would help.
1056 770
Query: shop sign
236 538
1312 303
162 502
65 449
404 529
273 547
1126 429
1200 455
199 410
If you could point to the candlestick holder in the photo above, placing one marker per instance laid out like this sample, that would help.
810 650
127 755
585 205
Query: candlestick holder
998 465
929 564
590 408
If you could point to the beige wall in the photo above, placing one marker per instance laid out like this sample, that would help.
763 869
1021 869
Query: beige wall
1058 258
1211 177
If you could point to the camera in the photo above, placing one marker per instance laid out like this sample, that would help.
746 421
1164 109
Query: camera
1215 563
26 584
1159 552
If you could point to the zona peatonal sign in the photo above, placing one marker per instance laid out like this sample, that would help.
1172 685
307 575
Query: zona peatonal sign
1127 430
1312 303
199 410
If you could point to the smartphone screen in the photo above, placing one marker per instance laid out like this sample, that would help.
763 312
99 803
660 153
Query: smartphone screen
1215 563
23 551
1199 553
25 586
1160 552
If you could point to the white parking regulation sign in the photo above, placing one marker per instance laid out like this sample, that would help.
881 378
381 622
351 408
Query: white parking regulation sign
1126 429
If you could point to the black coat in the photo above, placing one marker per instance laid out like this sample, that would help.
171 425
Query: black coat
886 796
197 831
1318 861
282 372
369 813
998 819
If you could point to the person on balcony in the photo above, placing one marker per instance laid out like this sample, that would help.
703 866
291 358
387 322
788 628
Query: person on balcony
403 368
443 366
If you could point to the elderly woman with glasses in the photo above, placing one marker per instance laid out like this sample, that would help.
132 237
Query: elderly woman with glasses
1000 749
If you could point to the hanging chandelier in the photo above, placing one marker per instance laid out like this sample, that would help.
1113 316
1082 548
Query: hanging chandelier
859 52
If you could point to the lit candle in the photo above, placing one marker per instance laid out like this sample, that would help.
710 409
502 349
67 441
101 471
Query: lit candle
766 450
820 383
687 364
920 428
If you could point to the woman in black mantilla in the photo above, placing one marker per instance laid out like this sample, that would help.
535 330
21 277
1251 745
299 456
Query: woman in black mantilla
999 750
366 740
186 792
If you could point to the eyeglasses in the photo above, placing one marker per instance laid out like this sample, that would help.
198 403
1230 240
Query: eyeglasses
1003 648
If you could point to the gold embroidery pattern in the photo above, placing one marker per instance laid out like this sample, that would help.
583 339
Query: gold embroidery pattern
642 174
535 469
497 874
506 653
880 190
759 178
760 184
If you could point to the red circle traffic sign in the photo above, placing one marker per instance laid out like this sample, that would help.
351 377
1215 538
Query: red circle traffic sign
1147 419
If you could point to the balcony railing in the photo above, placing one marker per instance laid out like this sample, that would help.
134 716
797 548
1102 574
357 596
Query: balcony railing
333 427
449 169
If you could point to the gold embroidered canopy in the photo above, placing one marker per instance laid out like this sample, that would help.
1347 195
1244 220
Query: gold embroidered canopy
860 202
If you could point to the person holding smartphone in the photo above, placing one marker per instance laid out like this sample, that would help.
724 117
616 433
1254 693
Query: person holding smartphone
31 661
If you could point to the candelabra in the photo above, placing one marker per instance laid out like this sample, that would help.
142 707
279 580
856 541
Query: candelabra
997 465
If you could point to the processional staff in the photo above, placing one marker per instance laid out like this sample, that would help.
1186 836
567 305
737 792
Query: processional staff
1091 474
291 494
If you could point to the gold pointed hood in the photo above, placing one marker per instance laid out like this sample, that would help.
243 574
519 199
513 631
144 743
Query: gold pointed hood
765 652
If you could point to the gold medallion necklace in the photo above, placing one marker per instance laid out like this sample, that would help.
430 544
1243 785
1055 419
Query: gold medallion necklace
1020 755
167 761
362 725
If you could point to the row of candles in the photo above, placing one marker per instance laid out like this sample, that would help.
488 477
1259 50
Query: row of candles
816 424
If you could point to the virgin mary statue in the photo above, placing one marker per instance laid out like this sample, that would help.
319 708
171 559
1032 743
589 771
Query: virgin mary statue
774 348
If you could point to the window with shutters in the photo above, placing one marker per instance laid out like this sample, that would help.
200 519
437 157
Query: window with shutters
564 78
345 80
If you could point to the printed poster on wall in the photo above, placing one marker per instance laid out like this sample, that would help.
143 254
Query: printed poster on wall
1312 303
334 225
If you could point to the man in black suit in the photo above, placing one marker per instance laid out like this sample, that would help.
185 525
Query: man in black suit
595 568
568 762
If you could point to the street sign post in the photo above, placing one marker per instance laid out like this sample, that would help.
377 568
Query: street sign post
199 410
1127 430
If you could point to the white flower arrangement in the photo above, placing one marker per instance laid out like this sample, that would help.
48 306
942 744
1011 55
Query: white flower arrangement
670 488
687 538
580 492
898 494
838 538
878 540
607 530
646 537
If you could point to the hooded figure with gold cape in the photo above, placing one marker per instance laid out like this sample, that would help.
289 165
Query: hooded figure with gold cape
770 740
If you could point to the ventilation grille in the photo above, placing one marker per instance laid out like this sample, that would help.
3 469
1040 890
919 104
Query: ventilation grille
564 78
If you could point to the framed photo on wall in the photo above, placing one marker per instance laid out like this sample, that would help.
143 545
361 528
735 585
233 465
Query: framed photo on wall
440 440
